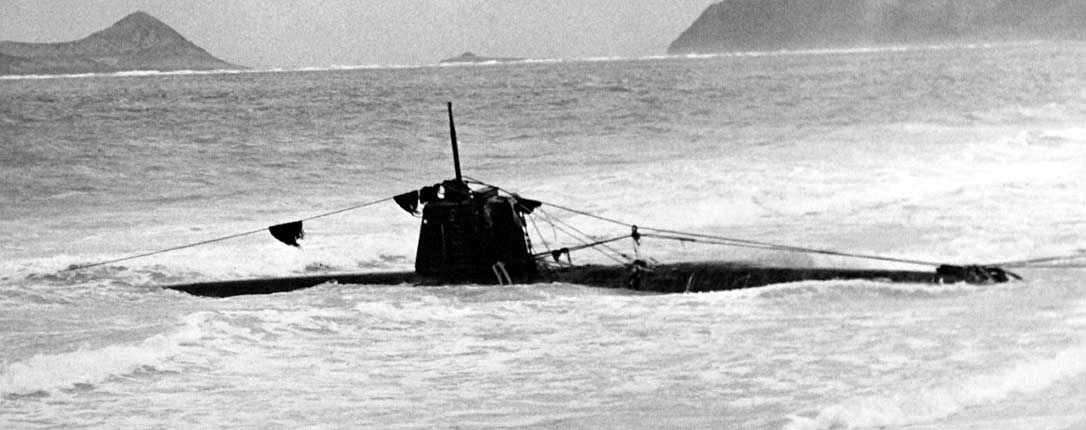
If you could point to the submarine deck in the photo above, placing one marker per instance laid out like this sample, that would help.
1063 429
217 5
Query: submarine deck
664 278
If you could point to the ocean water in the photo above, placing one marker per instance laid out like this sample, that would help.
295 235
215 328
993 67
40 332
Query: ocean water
971 154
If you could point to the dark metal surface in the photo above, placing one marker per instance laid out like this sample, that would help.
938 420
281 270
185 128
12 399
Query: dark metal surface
666 278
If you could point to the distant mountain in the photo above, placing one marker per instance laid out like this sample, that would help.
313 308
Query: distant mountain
469 57
746 25
137 42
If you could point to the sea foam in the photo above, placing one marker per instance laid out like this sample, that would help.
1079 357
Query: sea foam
44 373
941 401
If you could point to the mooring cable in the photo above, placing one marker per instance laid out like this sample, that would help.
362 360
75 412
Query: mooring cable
797 249
585 236
220 239
542 239
583 246
734 241
753 243
1032 262
585 242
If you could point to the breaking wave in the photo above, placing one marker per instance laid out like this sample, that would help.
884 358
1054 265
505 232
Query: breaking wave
842 290
129 74
942 401
44 373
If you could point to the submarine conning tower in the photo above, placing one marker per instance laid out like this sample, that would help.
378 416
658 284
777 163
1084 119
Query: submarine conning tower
473 235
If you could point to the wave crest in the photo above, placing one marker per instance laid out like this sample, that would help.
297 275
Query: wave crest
43 373
945 400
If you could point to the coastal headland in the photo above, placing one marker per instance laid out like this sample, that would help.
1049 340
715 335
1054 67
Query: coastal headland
765 25
138 42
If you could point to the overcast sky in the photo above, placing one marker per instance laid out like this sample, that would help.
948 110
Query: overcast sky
299 33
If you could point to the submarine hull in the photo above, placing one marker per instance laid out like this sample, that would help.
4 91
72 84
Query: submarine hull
664 278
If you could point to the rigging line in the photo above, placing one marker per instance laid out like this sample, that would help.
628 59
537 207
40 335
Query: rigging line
587 214
778 247
472 180
729 243
339 211
1024 263
549 218
766 245
601 251
554 229
574 237
1053 266
542 239
218 239
585 238
710 241
583 234
587 245
773 246
622 223
751 242
162 251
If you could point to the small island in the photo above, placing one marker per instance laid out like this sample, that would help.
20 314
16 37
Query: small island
469 57
138 42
